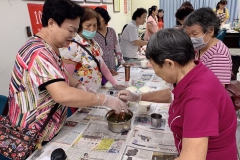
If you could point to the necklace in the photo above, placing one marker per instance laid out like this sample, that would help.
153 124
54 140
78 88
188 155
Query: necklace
51 44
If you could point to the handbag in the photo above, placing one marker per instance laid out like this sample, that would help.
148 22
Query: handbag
18 143
233 90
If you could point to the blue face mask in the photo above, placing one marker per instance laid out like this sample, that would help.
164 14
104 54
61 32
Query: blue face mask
88 34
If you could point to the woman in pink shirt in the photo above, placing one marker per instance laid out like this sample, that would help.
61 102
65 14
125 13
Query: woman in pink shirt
152 22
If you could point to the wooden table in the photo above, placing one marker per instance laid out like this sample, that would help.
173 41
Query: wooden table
231 40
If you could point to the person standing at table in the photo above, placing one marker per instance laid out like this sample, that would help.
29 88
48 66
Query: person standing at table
182 13
39 80
107 39
83 57
130 40
222 11
202 26
160 16
152 22
201 116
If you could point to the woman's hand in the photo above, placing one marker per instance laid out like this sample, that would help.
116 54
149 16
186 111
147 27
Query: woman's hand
119 86
113 72
126 96
115 103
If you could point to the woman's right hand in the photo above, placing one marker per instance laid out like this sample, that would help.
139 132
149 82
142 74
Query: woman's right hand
126 96
115 103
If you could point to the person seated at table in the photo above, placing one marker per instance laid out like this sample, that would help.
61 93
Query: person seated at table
222 12
152 22
160 16
130 40
202 26
85 62
107 39
39 80
182 13
201 116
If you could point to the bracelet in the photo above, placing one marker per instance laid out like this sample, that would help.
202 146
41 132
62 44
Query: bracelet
97 99
77 84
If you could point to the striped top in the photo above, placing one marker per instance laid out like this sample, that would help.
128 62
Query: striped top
36 66
218 60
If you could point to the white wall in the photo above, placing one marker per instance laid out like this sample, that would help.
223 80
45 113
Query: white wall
144 4
15 18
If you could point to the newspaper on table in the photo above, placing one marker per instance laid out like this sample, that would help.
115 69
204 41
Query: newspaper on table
136 153
97 142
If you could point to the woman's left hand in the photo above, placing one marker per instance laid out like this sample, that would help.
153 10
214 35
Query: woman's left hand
114 73
119 86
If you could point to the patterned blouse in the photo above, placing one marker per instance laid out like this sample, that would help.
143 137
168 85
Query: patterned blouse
86 70
110 47
36 66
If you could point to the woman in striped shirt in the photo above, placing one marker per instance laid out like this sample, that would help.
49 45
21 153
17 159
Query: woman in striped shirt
202 26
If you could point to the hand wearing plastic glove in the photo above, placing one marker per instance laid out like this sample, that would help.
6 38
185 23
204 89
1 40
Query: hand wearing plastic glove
119 86
115 103
126 95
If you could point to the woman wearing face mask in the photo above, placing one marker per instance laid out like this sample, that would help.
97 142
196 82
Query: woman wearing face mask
202 26
85 62
152 22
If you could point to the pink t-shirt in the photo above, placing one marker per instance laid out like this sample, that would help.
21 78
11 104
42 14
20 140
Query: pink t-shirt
218 60
154 24
202 108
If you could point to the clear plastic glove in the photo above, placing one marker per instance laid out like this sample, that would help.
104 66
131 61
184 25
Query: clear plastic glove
91 90
126 96
115 103
119 86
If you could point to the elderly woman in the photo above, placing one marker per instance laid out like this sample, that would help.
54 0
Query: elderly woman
107 39
152 22
203 125
39 81
129 39
83 57
202 26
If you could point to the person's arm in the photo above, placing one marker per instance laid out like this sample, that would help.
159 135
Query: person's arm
140 42
194 149
150 27
161 96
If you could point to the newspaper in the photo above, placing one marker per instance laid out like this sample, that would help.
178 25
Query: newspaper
154 140
135 153
97 142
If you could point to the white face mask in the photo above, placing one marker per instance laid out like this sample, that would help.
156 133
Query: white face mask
198 43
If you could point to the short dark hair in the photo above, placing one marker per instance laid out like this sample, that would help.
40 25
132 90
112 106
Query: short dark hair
104 13
171 44
89 13
138 13
183 12
187 4
151 9
206 18
59 10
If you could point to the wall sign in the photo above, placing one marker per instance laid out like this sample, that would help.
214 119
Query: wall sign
35 13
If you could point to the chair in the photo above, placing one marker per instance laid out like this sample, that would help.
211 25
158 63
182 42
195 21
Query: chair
3 101
221 34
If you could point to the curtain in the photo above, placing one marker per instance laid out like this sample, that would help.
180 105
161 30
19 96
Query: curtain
171 6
